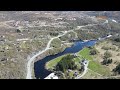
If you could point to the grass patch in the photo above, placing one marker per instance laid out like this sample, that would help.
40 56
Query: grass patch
97 67
56 43
52 63
91 75
85 54
77 60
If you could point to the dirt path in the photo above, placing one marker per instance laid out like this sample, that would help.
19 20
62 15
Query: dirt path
84 72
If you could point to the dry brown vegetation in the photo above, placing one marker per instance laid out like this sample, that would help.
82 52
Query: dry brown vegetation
115 53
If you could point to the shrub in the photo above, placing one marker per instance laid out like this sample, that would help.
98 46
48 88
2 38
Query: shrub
107 61
117 69
117 39
105 48
107 55
93 51
106 58
18 31
53 34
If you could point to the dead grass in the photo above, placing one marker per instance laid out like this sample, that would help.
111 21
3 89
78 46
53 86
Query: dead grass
92 75
115 54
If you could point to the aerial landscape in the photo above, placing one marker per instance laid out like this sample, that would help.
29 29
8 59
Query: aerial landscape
59 44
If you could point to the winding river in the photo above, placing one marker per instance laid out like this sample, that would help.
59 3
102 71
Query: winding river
39 66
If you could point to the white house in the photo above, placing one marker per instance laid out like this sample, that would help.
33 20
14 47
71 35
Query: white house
51 76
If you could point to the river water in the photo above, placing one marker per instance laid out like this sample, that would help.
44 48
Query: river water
39 66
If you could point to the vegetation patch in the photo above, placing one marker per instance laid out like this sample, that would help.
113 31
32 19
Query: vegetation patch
85 53
97 67
51 64
56 43
68 36
66 63
92 75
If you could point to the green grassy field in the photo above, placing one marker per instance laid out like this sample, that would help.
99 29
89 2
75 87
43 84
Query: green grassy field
97 67
52 63
85 54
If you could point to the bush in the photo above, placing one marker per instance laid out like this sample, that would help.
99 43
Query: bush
107 55
117 69
53 34
106 58
117 39
107 61
108 48
93 51
105 48
18 31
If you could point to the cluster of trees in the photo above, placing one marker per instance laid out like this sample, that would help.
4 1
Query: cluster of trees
59 74
68 37
93 51
82 68
107 61
117 39
117 69
106 58
53 34
66 63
